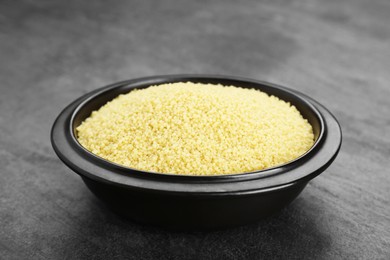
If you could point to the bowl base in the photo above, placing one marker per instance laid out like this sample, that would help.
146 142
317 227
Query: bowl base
186 211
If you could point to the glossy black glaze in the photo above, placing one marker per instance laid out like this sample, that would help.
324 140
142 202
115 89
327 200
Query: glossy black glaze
195 201
182 211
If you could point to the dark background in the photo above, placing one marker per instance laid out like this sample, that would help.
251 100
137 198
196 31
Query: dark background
51 52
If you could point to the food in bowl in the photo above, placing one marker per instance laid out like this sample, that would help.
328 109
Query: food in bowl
190 128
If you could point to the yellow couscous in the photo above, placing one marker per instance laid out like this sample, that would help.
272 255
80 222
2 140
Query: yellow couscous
197 129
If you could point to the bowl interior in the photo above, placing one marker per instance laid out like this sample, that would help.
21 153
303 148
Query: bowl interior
100 98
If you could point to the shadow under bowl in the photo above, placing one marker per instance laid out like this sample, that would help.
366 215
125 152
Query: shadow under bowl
182 201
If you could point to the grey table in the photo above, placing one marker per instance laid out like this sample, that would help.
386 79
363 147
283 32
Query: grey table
51 52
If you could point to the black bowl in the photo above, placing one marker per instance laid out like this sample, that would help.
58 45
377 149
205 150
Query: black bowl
183 201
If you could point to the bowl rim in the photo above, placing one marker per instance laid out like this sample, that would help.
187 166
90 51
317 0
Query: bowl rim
124 174
264 173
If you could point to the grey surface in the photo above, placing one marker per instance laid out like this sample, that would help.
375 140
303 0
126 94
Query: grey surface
51 52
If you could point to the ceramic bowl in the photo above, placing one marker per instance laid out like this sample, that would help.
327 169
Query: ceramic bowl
182 201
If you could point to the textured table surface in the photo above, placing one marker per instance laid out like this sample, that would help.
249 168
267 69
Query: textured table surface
51 52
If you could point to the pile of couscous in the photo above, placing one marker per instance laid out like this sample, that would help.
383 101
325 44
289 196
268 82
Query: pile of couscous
196 129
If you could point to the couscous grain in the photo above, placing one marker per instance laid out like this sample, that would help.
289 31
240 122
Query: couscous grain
197 129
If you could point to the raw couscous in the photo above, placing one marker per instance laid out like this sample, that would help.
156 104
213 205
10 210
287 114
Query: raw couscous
196 129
